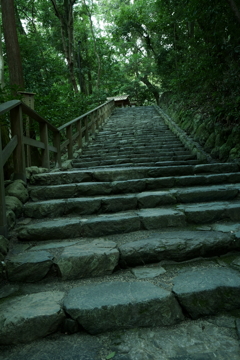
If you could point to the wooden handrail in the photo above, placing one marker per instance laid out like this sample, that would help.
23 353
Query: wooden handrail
9 105
75 130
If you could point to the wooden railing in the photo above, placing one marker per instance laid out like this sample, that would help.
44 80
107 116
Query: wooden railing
74 131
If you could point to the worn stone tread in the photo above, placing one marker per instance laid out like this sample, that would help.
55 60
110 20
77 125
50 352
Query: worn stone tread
123 186
119 305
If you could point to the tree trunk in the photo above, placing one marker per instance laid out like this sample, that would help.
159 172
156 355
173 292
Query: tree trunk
65 16
12 45
235 9
152 88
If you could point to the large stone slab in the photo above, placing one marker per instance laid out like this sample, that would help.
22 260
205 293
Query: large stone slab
110 224
61 177
208 291
55 208
29 317
51 229
152 199
29 266
208 212
216 168
178 246
161 217
121 305
207 193
93 259
119 203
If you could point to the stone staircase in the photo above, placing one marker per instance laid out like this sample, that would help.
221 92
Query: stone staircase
137 245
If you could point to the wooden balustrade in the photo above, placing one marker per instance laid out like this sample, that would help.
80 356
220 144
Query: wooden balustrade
76 130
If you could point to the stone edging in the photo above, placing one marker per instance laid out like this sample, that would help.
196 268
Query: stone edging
192 145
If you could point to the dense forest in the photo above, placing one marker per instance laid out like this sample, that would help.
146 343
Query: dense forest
73 54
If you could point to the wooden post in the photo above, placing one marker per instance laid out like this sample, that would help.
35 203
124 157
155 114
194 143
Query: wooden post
86 129
70 145
28 99
3 217
44 138
57 144
97 123
93 128
79 129
18 153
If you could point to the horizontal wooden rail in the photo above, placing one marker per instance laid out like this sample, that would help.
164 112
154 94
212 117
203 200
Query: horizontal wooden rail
77 130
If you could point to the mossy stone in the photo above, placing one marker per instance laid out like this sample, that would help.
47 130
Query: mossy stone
210 143
202 134
224 152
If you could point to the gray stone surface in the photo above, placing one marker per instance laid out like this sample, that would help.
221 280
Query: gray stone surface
212 211
57 178
207 193
178 246
57 208
8 290
121 305
195 340
118 203
28 317
54 245
18 189
51 229
148 272
110 224
155 198
208 291
29 266
161 217
96 258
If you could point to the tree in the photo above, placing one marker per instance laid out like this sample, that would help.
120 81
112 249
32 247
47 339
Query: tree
64 13
12 45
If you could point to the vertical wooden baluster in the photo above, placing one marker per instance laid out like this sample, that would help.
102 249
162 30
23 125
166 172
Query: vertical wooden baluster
86 129
19 152
44 138
70 145
57 144
79 129
3 217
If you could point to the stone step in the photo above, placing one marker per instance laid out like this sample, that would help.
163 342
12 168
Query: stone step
70 190
125 146
110 156
177 293
94 166
131 162
219 342
79 259
116 203
158 163
61 177
128 221
172 255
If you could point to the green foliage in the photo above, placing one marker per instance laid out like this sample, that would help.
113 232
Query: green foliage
188 48
110 356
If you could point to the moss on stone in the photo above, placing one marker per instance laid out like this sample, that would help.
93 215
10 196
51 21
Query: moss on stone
202 134
210 143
